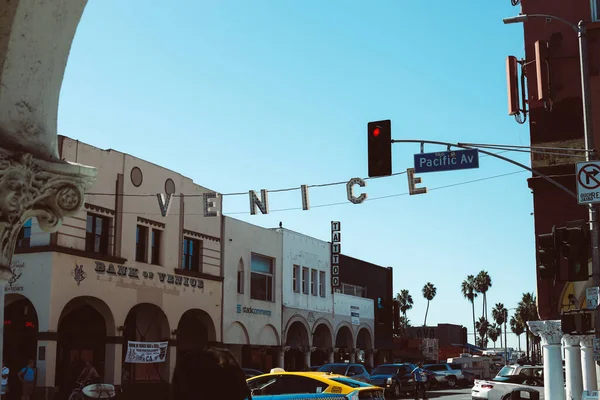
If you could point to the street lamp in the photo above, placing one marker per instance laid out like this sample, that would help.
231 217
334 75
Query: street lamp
580 29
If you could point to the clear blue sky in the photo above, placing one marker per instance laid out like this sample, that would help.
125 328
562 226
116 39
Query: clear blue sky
243 95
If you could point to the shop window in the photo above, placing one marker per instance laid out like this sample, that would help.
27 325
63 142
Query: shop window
296 279
24 238
313 282
192 250
141 244
261 277
304 280
96 235
322 283
155 246
240 277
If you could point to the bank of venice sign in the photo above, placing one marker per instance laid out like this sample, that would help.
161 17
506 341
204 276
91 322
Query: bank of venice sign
146 352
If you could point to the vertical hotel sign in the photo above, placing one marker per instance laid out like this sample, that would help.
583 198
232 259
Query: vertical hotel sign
336 249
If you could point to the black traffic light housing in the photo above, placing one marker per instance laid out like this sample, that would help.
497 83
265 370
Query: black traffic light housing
577 323
574 250
547 254
380 148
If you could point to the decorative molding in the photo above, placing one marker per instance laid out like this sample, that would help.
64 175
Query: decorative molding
99 209
200 235
572 340
549 331
587 342
71 251
31 188
146 221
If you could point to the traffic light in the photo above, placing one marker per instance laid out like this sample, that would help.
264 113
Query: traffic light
577 323
575 252
547 255
380 148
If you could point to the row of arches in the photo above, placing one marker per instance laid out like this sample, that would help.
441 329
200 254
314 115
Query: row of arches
87 331
321 340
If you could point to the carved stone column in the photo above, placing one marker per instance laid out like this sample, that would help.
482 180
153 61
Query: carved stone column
35 41
281 353
551 334
573 366
369 359
352 356
588 365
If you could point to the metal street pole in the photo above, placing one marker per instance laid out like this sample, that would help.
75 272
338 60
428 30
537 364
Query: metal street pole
505 344
580 28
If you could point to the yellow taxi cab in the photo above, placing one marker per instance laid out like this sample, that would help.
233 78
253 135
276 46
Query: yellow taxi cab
280 382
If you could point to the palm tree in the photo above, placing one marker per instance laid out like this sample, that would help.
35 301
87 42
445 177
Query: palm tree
468 291
499 313
527 311
482 326
405 301
429 291
483 283
493 332
516 326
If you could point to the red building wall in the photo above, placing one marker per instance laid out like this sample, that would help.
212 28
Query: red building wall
558 121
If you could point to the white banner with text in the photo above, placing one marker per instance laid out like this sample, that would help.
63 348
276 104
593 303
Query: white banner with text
146 352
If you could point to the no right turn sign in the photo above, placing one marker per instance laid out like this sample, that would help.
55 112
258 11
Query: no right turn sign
588 182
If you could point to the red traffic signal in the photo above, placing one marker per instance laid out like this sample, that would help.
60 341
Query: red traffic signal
379 139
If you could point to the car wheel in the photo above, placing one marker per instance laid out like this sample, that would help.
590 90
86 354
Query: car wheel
396 393
451 381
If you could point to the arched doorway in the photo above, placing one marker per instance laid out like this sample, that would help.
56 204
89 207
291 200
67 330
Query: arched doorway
194 331
297 339
20 338
82 330
147 323
322 342
364 343
345 342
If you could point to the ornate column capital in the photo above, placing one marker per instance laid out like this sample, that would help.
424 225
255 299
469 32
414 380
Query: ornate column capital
32 187
587 341
549 331
284 348
572 340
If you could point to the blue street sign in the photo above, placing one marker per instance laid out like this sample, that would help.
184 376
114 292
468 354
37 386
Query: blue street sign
446 161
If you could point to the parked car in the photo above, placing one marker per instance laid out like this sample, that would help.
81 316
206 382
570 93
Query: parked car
509 378
354 371
452 372
396 379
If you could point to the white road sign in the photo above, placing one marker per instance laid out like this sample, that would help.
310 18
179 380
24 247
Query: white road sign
588 182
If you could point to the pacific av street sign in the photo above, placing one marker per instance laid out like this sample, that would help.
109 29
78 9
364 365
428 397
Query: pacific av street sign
446 161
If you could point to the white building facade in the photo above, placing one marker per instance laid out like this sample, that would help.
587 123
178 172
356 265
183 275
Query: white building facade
318 326
252 293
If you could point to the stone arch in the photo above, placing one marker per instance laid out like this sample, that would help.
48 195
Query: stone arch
344 336
194 330
364 338
21 327
322 334
299 325
236 333
94 303
268 336
83 327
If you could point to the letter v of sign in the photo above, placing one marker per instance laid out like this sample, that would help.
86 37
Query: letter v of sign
163 203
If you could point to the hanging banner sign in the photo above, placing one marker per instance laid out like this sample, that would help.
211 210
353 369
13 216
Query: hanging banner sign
146 352
212 205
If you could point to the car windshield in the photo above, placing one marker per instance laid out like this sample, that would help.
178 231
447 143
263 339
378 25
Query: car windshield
350 382
339 369
385 370
506 371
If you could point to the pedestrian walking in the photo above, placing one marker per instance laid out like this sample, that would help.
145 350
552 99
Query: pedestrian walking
28 376
419 378
4 388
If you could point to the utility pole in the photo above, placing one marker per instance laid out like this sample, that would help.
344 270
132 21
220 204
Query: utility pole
505 344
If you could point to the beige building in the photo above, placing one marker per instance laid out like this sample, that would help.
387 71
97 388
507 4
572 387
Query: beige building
252 295
117 272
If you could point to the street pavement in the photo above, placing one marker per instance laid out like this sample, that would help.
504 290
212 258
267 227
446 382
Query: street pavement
449 394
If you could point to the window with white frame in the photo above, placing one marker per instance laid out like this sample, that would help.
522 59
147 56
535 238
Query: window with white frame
313 281
261 277
296 279
322 283
304 280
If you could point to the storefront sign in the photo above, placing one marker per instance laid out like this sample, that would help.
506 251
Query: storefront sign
135 273
251 310
146 352
16 268
355 314
336 249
